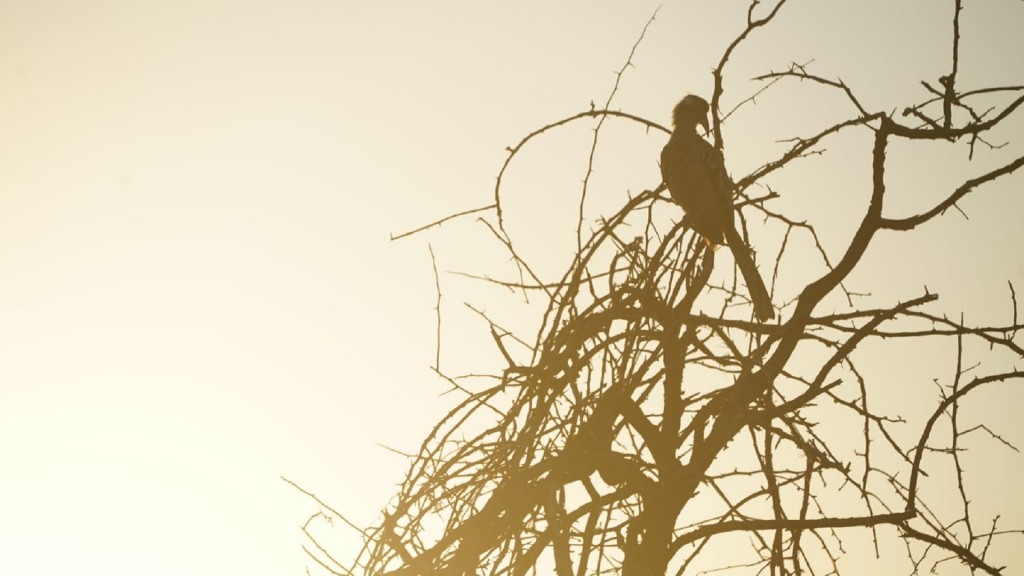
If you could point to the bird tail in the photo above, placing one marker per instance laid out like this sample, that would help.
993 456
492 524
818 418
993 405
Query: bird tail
758 293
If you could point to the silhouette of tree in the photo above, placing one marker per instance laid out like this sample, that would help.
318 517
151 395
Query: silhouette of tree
639 434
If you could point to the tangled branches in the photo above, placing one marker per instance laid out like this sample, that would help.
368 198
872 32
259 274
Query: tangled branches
639 431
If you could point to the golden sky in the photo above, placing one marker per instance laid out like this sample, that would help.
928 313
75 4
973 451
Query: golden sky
197 289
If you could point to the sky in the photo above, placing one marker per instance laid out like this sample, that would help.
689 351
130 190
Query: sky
198 290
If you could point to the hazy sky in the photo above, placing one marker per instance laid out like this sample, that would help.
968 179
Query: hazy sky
197 289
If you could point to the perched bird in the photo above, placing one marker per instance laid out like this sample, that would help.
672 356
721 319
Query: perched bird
694 172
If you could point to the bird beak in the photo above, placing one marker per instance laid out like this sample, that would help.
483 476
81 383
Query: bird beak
704 123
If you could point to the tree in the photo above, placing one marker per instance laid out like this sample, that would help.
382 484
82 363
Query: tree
639 433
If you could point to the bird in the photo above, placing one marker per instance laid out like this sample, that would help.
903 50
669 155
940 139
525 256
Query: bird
694 172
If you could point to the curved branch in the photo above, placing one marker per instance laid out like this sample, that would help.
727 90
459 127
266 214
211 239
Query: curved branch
911 222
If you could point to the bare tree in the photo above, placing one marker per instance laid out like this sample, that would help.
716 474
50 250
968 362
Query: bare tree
636 433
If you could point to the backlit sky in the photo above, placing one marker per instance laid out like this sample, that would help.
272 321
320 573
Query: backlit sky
197 289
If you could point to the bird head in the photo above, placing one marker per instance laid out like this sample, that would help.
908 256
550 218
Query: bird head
690 111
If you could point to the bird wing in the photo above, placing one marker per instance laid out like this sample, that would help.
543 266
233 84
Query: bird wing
693 173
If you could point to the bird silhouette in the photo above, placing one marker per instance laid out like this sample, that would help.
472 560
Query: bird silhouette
695 174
